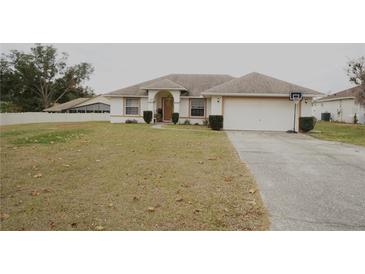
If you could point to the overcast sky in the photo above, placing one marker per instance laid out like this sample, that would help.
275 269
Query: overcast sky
317 66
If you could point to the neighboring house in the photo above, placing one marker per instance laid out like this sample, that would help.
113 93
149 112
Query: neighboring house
342 105
97 104
251 102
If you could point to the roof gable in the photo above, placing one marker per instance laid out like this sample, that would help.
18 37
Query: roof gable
195 84
163 84
256 83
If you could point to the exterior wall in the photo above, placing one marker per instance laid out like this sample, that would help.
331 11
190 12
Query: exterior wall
216 105
306 107
45 117
185 111
117 110
184 107
341 110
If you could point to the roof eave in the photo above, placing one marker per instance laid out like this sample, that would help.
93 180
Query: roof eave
164 89
125 95
253 94
334 99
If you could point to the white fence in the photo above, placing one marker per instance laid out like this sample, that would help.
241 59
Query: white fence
44 117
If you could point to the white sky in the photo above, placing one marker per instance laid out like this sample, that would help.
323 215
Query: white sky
317 66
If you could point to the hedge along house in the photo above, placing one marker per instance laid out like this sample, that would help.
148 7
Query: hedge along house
342 106
251 102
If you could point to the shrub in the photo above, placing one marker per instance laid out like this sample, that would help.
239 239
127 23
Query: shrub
175 117
196 124
355 119
307 123
186 122
131 121
147 116
325 116
216 122
205 122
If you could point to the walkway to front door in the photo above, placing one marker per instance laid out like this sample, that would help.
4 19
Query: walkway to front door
167 106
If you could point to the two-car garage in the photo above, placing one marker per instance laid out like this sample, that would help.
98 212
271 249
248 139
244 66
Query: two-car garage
245 113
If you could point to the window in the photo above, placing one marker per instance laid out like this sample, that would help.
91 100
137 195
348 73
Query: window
197 107
131 106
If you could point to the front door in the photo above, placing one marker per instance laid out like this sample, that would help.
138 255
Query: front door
167 108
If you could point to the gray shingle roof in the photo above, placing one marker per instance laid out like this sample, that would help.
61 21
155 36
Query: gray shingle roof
351 92
195 84
164 84
67 105
256 83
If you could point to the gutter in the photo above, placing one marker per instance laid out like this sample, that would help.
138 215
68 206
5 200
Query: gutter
254 94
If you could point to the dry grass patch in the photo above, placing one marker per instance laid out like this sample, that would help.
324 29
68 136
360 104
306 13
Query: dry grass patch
106 176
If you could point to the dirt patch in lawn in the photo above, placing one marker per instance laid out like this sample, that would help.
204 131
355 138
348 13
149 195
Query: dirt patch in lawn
125 177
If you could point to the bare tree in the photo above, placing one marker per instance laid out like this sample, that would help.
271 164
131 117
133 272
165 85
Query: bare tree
356 74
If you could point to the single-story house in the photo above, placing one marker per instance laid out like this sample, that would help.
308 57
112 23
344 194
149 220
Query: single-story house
251 102
97 104
341 105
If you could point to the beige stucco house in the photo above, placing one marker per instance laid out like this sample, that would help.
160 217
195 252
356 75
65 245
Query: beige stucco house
251 102
341 105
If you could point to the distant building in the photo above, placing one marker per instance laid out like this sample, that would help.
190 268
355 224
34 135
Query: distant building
98 104
341 105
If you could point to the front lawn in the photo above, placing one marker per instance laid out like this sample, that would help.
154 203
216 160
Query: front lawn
341 132
102 176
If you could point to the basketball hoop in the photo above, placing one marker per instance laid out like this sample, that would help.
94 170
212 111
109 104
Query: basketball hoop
295 97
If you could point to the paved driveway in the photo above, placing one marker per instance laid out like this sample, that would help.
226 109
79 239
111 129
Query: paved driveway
306 184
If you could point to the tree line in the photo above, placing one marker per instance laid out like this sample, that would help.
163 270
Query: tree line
38 79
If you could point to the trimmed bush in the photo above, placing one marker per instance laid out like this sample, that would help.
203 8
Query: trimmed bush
131 121
216 122
186 122
175 117
307 123
325 116
147 116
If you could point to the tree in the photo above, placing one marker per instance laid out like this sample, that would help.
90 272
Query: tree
356 74
38 79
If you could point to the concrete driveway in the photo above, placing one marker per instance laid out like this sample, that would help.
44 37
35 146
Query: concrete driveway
306 184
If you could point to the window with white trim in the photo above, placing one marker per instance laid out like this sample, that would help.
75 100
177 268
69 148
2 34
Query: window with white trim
197 107
131 106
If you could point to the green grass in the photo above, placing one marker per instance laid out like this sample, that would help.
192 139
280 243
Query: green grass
340 132
181 126
50 137
124 177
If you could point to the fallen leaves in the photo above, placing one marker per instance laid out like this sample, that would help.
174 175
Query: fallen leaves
228 178
252 191
38 175
99 227
179 199
3 216
51 224
151 209
34 193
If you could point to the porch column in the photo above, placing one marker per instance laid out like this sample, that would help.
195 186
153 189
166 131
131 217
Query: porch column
176 95
151 100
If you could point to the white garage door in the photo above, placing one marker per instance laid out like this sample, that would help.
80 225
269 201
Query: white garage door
258 114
